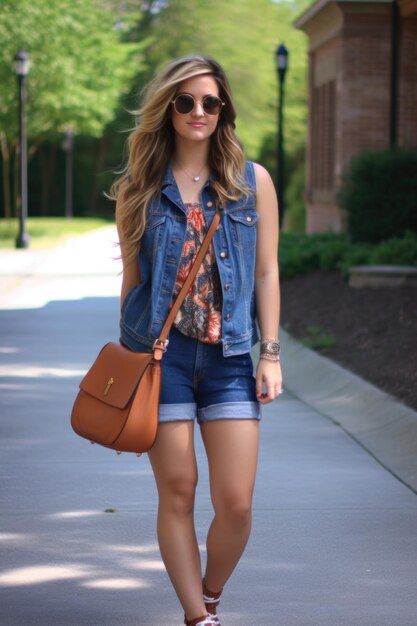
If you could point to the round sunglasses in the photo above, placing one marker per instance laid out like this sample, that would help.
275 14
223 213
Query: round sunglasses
184 103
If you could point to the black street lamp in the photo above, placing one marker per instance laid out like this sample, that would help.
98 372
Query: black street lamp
281 57
21 60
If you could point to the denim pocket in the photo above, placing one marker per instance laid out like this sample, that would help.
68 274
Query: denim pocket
243 227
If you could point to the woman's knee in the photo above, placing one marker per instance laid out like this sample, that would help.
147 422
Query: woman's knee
236 508
177 495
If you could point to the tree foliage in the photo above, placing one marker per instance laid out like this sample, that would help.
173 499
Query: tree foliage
243 37
90 59
79 65
82 60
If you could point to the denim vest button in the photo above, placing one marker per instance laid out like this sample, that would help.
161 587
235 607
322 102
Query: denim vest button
226 347
227 287
249 218
227 317
223 255
209 204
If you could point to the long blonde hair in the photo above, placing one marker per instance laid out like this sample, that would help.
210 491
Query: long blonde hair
151 146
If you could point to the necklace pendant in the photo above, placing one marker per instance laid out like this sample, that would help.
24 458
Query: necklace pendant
196 178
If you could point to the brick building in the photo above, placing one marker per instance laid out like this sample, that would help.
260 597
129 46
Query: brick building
362 91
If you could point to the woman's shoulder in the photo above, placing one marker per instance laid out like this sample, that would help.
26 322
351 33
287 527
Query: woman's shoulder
257 176
261 173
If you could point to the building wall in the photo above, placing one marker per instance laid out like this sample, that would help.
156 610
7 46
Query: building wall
321 181
350 95
363 85
407 82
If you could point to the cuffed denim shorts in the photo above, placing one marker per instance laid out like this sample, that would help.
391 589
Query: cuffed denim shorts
198 382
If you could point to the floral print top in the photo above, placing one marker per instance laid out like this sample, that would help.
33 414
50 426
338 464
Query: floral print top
200 313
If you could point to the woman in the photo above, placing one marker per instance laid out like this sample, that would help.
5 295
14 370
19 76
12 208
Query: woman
185 163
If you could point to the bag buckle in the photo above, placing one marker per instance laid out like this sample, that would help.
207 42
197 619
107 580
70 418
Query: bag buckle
161 344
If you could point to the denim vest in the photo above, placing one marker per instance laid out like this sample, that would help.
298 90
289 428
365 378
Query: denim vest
146 306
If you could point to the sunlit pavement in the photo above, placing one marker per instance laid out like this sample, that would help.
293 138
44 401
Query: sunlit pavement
334 540
88 265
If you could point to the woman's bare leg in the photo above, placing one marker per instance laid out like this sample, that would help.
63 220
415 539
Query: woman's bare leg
232 452
174 465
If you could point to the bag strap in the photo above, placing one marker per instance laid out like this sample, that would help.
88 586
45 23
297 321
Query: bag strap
161 343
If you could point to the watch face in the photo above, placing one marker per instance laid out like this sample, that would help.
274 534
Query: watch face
273 347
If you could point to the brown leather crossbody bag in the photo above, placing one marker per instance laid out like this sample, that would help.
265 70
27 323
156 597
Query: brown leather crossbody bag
118 401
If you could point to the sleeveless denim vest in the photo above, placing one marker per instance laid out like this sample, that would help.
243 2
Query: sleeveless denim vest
146 306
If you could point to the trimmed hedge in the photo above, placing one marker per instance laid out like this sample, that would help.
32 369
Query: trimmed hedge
379 193
299 254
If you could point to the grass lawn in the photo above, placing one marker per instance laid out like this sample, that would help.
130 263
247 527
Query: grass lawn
46 232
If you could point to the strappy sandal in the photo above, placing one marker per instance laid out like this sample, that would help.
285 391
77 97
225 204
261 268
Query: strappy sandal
212 601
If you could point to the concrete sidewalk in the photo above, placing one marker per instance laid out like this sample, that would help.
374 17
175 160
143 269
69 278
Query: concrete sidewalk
85 265
334 541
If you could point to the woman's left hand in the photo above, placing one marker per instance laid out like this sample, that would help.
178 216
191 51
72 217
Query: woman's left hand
268 380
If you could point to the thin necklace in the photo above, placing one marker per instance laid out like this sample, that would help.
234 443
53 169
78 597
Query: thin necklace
195 178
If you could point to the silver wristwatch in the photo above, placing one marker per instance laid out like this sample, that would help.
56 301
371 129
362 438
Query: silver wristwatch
271 349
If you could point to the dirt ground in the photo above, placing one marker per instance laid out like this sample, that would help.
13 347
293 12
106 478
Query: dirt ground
371 331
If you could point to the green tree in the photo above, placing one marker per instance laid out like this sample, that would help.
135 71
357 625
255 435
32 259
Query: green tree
82 62
243 37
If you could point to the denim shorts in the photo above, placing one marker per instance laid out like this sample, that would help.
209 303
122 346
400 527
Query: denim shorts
199 382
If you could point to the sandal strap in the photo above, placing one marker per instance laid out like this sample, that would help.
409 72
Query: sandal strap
211 599
204 620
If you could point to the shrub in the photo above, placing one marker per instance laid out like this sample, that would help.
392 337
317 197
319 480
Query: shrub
396 251
356 254
379 193
333 251
299 254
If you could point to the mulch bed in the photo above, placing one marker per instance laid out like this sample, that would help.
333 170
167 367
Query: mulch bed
374 330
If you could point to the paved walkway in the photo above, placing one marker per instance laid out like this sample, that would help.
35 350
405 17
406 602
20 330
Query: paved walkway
334 541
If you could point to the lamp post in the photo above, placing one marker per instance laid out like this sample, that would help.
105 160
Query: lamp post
281 57
21 60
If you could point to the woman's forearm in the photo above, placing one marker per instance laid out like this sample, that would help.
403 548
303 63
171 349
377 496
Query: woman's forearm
268 303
